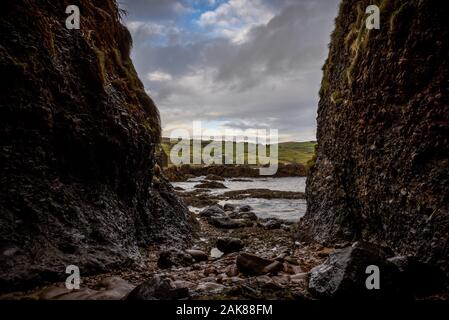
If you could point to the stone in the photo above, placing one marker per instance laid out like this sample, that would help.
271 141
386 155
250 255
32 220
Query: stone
252 265
158 288
343 274
229 207
299 278
213 177
197 255
226 222
215 253
112 288
271 224
245 208
174 257
184 284
393 183
232 271
228 244
417 277
244 215
210 288
212 211
210 185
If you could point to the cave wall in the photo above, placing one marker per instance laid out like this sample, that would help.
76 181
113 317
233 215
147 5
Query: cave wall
78 136
381 172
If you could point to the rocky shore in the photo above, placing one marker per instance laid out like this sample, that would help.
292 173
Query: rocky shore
238 256
185 172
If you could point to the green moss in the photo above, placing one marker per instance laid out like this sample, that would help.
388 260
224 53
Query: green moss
336 97
145 101
131 75
394 17
325 80
101 63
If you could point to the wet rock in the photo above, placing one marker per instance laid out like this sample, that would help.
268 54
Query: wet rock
406 199
243 215
226 222
209 271
112 288
214 177
210 288
299 278
325 252
291 260
245 208
253 265
213 211
229 207
158 288
228 244
274 267
184 284
197 255
271 224
79 169
174 257
343 274
268 283
210 185
232 271
418 277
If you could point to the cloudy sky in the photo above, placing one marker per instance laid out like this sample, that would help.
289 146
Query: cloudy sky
234 64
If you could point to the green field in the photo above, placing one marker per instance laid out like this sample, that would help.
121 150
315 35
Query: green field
288 152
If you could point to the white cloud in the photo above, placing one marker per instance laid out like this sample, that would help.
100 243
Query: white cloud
159 76
235 18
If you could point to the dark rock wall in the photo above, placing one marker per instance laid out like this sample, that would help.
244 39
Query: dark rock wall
381 172
78 135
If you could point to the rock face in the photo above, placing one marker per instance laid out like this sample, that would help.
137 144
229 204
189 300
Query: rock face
78 137
343 275
381 172
158 288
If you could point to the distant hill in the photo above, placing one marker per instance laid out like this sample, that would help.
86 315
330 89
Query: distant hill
288 152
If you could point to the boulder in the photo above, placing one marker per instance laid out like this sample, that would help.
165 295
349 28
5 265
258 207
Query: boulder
417 277
229 207
226 222
210 185
197 255
214 177
213 211
158 288
245 208
209 288
271 224
253 265
343 275
112 288
243 215
228 244
174 257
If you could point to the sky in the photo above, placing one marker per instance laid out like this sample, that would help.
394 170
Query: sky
232 64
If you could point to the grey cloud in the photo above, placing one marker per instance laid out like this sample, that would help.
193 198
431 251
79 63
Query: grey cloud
270 80
155 10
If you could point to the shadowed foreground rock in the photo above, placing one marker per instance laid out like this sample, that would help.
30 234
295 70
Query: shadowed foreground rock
78 137
382 167
343 275
158 288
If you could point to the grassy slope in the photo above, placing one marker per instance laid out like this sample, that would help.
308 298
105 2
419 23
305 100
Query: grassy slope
288 152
